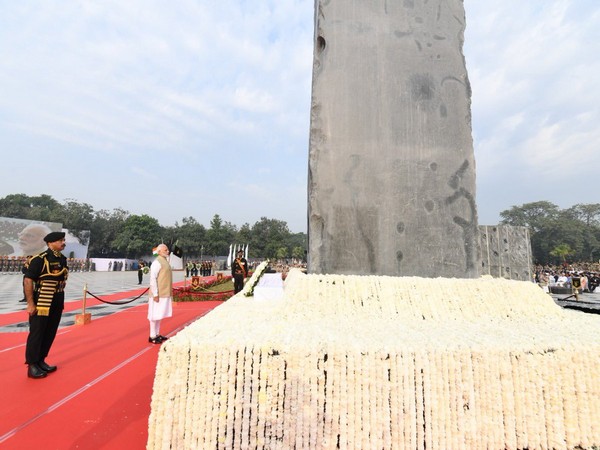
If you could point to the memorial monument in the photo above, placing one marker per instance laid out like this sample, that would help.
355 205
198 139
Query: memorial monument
434 357
391 164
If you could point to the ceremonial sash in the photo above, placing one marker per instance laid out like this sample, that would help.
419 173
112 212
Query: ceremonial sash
241 266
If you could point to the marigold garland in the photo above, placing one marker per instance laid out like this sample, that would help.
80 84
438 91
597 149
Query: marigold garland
382 362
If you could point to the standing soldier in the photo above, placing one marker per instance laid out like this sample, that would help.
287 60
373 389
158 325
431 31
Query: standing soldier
44 284
239 271
140 271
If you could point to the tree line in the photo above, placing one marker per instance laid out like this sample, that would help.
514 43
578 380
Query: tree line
119 234
559 235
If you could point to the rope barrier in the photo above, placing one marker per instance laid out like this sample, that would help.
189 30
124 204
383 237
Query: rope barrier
118 302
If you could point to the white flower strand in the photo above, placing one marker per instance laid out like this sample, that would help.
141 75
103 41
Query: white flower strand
411 363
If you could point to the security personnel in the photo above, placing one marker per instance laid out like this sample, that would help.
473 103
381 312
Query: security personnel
141 267
239 271
45 282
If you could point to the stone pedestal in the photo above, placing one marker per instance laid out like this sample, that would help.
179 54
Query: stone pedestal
391 164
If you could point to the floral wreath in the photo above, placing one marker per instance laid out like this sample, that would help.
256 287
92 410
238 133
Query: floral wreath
248 290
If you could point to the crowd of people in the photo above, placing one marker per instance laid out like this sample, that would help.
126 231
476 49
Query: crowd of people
15 264
200 268
583 276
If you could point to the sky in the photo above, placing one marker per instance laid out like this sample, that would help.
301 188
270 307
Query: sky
195 108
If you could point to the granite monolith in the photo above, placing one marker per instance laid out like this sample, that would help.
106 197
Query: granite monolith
391 187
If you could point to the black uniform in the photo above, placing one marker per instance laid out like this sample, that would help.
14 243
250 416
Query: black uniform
24 271
49 272
239 271
141 272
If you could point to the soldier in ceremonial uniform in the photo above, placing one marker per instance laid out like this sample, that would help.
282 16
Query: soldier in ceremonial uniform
44 284
239 271
141 266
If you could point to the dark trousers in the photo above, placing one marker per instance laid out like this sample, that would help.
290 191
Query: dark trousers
238 283
140 276
42 331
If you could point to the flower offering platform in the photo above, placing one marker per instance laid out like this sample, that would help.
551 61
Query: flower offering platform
357 362
269 287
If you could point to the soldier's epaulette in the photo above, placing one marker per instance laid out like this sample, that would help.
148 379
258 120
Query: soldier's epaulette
39 255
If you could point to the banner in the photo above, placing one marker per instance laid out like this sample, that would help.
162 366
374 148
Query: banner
20 237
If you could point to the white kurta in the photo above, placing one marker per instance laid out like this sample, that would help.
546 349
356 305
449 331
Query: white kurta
164 307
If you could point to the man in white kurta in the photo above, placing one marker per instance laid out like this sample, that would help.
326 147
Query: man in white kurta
161 293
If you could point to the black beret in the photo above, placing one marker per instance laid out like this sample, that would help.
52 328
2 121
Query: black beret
54 236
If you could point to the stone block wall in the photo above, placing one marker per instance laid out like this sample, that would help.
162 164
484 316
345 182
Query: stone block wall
506 252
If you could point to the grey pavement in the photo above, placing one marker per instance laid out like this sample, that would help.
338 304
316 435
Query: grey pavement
587 302
98 283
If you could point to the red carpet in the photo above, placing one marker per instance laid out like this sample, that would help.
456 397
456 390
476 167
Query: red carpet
99 398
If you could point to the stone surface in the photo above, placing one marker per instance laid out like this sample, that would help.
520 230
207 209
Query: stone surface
391 165
506 252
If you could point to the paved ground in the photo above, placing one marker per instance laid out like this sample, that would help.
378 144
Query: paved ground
98 283
588 302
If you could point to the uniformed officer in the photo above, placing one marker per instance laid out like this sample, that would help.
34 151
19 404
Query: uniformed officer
45 282
239 271
141 266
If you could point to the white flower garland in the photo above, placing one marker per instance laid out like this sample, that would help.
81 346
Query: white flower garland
382 362
248 290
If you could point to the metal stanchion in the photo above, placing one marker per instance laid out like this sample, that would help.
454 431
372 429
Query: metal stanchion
83 318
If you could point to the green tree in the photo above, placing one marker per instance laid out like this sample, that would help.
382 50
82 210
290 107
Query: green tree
576 227
138 236
219 237
270 250
191 236
268 235
298 253
103 232
562 230
244 236
117 234
20 206
562 251
77 218
588 214
282 253
298 243
533 215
